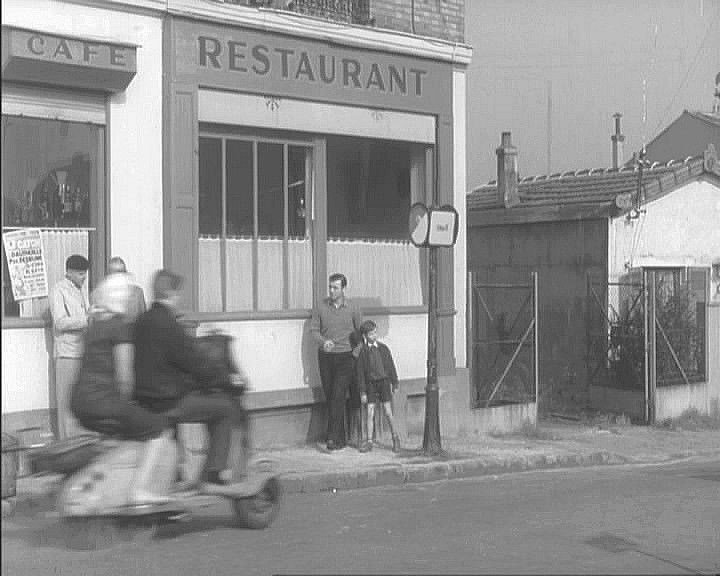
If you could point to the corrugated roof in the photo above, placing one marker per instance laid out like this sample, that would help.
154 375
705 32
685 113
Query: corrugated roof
592 187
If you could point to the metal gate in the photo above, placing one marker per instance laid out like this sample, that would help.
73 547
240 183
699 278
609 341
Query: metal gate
641 333
616 346
503 327
676 310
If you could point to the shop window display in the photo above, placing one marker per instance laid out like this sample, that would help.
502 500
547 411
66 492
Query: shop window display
52 172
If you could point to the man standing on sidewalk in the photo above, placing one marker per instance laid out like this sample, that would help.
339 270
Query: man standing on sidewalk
69 310
332 325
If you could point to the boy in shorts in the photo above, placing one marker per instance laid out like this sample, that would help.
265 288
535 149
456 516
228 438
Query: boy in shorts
377 381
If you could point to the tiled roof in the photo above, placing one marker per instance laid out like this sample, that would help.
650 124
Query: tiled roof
591 187
705 117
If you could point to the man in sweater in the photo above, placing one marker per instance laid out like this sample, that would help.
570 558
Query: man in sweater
333 326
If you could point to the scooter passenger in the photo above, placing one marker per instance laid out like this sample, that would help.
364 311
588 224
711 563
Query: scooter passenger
96 399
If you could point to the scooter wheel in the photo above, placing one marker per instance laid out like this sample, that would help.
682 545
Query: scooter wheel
258 512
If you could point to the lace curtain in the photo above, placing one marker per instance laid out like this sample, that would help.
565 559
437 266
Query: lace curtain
383 273
57 246
239 274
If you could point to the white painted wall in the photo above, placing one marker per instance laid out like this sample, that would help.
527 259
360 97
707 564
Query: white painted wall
134 168
26 354
281 355
460 190
680 229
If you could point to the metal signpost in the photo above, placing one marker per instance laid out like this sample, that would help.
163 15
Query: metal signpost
432 228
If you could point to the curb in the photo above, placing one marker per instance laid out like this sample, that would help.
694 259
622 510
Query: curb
29 489
398 475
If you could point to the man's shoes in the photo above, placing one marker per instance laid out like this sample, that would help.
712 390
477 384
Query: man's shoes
331 445
365 447
396 444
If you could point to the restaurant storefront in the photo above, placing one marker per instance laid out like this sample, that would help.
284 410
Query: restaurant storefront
290 157
81 169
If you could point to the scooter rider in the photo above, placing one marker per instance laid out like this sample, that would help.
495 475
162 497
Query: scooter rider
173 377
96 399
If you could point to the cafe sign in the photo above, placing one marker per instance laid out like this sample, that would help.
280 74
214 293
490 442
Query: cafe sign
33 56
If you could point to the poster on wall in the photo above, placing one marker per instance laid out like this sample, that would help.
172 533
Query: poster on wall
26 263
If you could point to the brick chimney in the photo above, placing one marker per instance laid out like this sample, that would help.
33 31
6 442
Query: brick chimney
507 172
617 143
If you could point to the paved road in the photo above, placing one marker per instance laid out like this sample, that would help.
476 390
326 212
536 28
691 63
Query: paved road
650 519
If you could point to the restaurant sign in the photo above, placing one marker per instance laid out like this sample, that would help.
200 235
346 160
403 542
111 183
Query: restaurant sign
32 56
272 64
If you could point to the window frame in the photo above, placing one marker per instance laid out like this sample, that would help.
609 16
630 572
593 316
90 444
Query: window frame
65 110
681 277
256 137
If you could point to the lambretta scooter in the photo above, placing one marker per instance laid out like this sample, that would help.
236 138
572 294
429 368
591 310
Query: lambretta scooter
94 498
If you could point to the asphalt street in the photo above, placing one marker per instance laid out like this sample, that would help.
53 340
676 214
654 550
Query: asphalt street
611 520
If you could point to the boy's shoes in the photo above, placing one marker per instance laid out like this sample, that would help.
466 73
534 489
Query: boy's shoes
396 444
365 447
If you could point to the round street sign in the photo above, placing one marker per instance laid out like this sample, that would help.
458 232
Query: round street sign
419 223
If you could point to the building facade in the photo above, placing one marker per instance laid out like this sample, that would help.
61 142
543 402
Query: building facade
271 150
81 159
628 279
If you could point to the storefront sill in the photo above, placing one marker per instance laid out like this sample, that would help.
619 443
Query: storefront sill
24 323
205 317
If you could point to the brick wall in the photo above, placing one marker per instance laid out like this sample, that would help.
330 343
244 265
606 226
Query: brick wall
435 18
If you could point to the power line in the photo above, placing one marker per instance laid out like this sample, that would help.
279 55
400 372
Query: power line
689 71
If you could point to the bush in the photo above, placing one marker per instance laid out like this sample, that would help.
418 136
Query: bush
692 420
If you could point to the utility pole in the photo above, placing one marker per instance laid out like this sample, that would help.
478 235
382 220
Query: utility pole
431 436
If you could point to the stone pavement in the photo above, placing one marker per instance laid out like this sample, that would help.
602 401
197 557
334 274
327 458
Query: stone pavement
553 444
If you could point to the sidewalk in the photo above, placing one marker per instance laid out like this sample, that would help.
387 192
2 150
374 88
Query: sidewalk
553 444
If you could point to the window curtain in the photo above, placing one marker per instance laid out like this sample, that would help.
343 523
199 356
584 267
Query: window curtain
57 246
384 273
239 273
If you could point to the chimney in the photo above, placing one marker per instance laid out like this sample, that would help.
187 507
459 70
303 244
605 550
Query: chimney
507 172
617 143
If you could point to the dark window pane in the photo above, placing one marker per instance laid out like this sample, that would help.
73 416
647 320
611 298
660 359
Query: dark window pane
297 190
370 184
239 188
210 201
48 172
270 190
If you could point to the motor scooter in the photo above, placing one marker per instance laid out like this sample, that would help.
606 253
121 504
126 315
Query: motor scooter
94 502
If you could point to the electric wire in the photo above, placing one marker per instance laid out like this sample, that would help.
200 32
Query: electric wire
689 70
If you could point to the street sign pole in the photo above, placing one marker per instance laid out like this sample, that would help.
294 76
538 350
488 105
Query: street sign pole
431 437
433 228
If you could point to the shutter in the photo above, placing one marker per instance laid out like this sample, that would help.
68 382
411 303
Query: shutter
53 104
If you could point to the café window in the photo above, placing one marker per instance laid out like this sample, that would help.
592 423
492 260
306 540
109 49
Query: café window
371 185
53 181
255 248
